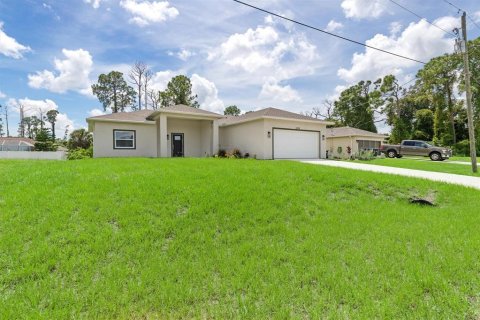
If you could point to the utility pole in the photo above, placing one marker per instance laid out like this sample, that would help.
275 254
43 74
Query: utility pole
6 120
21 127
466 68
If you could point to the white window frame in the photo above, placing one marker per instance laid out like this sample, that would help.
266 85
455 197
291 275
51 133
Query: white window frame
133 140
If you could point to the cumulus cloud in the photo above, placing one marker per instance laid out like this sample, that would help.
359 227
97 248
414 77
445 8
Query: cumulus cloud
96 112
364 9
420 41
95 3
38 107
10 47
146 12
72 73
160 79
274 91
2 95
265 52
185 54
333 26
207 94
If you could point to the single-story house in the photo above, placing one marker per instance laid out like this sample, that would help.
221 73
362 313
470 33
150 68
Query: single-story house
182 131
340 140
16 144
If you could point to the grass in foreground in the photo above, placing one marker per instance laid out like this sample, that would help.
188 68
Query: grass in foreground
425 164
210 238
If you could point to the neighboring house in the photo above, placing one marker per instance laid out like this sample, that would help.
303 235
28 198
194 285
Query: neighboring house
340 139
16 144
185 131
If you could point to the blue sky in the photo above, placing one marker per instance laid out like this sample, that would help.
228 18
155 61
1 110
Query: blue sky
51 51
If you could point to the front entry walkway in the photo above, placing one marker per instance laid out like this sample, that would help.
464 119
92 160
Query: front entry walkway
466 181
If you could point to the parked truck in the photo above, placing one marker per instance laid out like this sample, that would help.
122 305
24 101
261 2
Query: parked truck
416 148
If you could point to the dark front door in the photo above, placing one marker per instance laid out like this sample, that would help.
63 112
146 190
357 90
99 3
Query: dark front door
177 144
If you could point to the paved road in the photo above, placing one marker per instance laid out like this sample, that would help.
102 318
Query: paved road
467 181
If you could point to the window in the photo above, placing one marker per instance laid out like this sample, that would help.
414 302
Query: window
409 143
123 139
368 145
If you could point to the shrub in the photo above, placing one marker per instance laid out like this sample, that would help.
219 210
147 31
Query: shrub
222 153
79 154
235 153
366 155
462 148
339 150
246 155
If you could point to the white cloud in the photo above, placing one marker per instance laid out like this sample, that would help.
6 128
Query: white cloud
10 47
160 79
364 9
207 94
274 91
72 74
395 28
264 52
2 95
96 112
95 3
146 12
333 26
420 41
37 107
185 54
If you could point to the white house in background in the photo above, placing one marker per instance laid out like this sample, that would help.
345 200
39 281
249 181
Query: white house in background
182 131
340 139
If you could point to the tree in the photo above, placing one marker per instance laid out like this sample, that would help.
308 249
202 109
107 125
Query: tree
136 75
357 104
146 80
44 141
423 125
52 118
80 138
232 110
114 92
1 122
5 114
178 91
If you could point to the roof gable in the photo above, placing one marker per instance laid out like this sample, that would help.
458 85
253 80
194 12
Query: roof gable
269 113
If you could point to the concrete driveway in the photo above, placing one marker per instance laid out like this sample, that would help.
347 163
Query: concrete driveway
466 181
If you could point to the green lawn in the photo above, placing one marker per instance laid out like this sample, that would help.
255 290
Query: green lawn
425 164
212 238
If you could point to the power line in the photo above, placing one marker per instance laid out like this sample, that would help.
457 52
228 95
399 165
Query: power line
460 9
422 18
329 33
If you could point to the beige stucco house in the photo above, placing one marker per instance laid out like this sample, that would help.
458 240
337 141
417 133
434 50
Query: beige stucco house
182 131
339 140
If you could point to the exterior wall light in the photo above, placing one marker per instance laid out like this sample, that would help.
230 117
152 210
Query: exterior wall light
323 137
168 136
269 134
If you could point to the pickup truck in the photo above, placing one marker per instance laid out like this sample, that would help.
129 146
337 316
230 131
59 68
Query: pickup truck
416 148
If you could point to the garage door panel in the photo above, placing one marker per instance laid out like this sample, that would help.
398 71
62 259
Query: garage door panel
296 144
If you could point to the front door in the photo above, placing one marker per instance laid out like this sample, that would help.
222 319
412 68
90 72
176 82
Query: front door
177 144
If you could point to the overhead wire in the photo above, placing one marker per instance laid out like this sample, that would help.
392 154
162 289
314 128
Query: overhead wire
422 18
327 32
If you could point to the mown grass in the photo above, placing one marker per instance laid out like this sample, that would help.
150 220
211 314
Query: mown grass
211 238
425 164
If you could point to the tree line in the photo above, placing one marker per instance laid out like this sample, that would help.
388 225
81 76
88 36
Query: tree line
427 108
116 94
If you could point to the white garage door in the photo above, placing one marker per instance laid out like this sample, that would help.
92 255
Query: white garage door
296 144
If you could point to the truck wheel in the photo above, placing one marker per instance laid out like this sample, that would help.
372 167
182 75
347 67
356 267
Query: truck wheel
435 156
392 154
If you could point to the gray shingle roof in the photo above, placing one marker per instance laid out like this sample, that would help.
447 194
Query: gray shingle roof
136 116
349 131
148 115
267 113
180 108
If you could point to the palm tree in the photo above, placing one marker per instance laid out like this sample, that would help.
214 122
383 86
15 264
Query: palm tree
52 118
80 138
